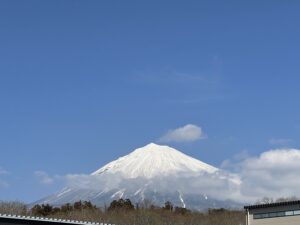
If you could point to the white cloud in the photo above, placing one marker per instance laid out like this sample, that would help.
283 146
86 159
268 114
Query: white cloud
3 182
280 141
187 133
44 178
3 171
274 173
231 164
220 185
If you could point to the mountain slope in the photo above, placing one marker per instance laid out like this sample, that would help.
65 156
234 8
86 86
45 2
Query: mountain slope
153 172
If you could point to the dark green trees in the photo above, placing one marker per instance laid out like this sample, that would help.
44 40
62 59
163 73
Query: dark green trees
121 204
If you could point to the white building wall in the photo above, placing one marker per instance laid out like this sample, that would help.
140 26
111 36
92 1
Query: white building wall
285 220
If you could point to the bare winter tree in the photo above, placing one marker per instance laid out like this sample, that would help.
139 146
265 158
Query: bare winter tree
144 215
267 200
18 208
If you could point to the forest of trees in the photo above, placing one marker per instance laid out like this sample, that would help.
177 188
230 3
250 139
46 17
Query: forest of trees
124 212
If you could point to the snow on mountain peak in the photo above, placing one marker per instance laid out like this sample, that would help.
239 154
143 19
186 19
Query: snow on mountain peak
155 160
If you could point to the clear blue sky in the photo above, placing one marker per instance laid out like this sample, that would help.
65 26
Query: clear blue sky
84 82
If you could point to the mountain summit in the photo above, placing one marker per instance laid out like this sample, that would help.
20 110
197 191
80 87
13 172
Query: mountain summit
156 173
155 160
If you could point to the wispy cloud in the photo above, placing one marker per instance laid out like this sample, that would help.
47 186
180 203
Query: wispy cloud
280 141
187 133
171 76
3 182
183 87
3 171
44 178
231 164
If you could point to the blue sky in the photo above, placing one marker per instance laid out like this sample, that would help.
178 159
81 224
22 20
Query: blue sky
84 82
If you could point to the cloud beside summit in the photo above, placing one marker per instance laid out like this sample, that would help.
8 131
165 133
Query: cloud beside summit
187 133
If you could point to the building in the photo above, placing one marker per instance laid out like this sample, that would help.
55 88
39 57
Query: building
279 213
28 220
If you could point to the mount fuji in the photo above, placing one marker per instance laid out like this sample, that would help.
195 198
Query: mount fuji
156 174
155 160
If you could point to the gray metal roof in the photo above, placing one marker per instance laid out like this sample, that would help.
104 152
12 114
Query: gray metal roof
274 204
53 220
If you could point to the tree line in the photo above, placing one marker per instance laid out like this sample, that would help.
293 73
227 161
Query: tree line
116 205
124 212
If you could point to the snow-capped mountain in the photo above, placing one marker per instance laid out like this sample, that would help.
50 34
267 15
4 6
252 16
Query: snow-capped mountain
154 160
156 173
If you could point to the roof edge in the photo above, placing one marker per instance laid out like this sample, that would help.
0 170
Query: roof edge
53 220
274 204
